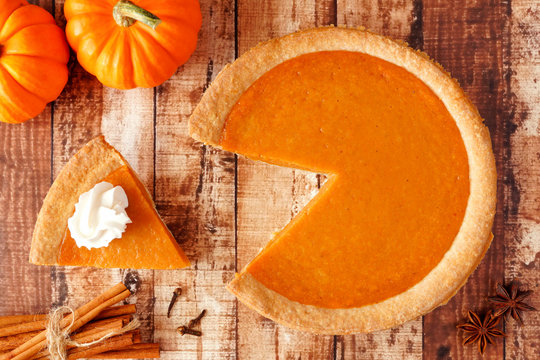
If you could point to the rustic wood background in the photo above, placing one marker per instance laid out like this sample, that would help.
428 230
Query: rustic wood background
223 208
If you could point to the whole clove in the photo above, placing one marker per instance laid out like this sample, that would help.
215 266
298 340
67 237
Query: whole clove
194 322
186 330
177 292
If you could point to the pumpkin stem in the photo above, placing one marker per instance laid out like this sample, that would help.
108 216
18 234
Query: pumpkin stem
125 13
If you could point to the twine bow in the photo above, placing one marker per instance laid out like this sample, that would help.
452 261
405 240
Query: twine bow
58 339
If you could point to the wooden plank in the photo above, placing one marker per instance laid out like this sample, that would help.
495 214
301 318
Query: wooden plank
195 195
469 38
268 196
202 289
25 173
521 186
25 170
395 19
126 118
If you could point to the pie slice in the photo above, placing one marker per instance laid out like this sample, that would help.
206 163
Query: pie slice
146 242
407 210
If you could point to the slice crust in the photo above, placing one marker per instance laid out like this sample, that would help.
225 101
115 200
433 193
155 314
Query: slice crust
208 123
98 161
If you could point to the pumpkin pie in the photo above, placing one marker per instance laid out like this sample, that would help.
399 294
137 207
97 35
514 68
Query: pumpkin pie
407 210
146 242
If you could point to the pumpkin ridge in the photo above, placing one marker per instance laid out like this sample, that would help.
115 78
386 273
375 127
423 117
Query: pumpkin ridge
144 54
114 42
23 28
33 56
174 56
8 10
45 18
14 107
102 45
8 72
96 12
171 8
149 32
72 7
139 55
132 42
190 21
36 57
92 14
46 32
99 42
53 85
8 120
154 39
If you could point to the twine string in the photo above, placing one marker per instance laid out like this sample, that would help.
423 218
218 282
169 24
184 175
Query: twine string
58 339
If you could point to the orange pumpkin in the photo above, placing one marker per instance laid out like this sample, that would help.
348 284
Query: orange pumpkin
132 44
33 58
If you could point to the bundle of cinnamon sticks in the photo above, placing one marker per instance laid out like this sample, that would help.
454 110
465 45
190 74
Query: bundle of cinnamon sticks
24 336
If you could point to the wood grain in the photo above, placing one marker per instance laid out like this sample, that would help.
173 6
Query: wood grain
203 289
469 38
25 170
195 183
268 196
195 195
392 18
522 175
25 176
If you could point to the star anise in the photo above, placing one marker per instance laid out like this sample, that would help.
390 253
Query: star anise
511 302
481 331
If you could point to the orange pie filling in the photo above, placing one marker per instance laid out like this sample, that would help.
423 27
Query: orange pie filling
146 243
399 176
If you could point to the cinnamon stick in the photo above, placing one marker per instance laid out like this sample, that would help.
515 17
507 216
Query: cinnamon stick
124 319
114 343
39 322
80 317
115 311
19 319
137 338
135 351
11 342
133 335
23 328
88 336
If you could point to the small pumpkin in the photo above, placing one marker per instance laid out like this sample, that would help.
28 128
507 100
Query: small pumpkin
33 60
132 44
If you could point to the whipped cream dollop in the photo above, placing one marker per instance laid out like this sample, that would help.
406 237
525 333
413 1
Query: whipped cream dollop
100 216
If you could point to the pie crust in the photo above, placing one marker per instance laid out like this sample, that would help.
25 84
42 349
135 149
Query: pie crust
206 125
